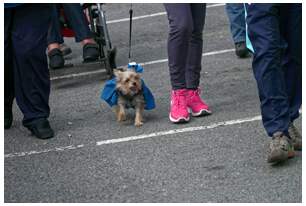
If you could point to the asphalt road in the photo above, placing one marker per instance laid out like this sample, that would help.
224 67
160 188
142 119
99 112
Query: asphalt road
219 158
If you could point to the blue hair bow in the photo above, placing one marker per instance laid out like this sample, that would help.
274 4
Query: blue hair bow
137 67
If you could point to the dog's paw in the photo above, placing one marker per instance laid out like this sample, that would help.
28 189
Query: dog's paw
138 124
121 118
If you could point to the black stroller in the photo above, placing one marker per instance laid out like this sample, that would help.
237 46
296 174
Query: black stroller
97 21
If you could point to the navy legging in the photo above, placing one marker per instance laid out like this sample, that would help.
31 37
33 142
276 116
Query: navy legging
185 44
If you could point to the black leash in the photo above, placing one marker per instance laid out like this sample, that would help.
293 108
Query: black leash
130 35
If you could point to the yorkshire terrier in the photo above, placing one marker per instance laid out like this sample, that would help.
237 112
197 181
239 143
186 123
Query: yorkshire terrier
130 95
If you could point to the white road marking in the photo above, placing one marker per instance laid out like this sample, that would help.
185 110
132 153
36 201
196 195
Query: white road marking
57 149
132 138
151 15
204 54
81 74
176 131
135 18
218 52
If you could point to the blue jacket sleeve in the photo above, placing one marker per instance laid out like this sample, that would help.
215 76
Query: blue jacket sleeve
148 97
109 93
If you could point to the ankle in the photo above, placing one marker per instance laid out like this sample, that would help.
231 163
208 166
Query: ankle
88 41
179 91
53 46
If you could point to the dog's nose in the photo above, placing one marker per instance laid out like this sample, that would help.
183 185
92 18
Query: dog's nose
134 83
133 88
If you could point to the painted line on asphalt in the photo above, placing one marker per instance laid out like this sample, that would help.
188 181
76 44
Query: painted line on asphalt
152 15
82 74
57 149
204 54
176 131
138 137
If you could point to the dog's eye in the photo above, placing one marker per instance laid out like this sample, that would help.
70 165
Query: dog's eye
126 81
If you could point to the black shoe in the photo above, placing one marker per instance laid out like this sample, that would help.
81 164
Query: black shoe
8 117
56 59
65 49
41 129
241 50
90 52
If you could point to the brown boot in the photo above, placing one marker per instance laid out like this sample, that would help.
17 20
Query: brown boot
280 148
295 136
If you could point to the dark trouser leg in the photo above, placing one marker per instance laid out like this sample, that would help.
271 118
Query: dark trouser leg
32 82
236 16
264 32
54 32
9 93
194 57
291 29
181 26
78 22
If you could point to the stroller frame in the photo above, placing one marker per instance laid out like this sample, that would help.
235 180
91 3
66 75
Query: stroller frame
101 35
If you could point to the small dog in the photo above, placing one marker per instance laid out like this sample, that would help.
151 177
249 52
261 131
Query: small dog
130 95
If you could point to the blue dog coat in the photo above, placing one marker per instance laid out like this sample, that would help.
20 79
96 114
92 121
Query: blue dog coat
110 94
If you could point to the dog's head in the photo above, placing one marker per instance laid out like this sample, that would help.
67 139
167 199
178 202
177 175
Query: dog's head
128 81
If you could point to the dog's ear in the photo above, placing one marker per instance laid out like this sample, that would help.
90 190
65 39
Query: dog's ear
118 72
122 69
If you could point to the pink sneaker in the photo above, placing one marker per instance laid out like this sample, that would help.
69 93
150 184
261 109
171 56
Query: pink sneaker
195 104
178 107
